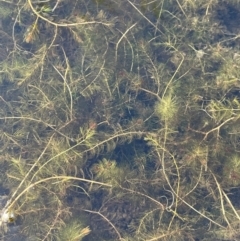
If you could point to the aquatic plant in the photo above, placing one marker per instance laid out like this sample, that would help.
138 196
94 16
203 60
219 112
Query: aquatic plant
121 118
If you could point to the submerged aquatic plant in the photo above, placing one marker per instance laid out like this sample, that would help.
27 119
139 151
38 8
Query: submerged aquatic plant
113 120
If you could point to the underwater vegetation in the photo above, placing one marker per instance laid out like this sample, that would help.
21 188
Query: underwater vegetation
119 120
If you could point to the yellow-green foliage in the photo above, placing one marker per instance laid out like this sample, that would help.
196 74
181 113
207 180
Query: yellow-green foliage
198 155
108 171
5 10
221 110
74 230
232 170
228 75
113 115
166 108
